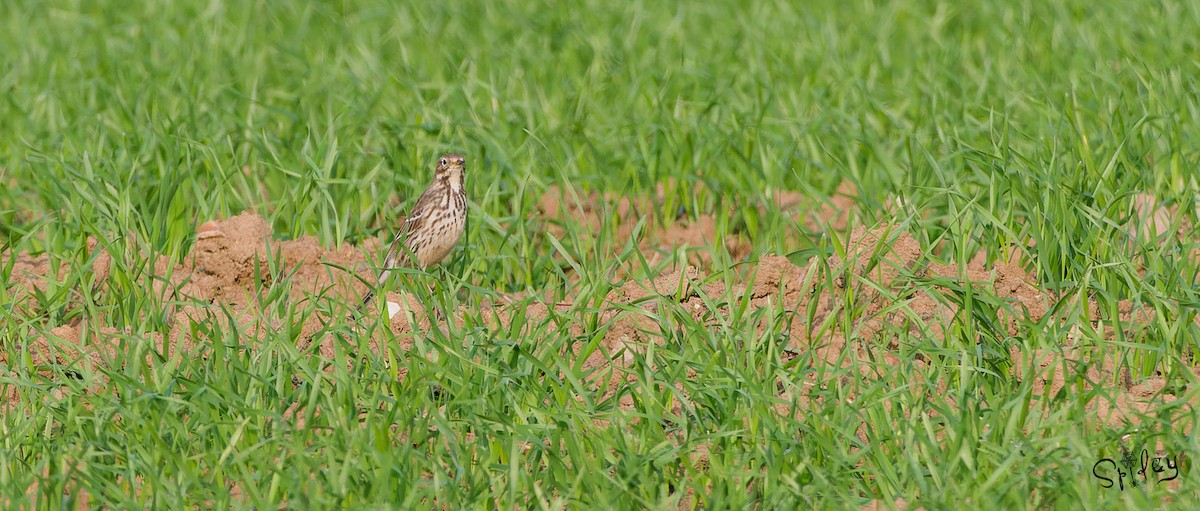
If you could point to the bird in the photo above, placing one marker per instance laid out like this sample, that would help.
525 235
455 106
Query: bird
433 226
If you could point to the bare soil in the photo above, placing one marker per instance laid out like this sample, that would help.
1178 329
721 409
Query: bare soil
882 272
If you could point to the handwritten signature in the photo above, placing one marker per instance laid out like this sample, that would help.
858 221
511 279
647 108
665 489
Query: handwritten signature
1111 473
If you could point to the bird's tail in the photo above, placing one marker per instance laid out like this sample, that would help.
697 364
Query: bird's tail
366 299
383 274
397 256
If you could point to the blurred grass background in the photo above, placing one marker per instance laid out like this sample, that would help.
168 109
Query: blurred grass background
997 123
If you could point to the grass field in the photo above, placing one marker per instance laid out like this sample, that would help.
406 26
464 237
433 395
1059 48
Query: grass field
988 212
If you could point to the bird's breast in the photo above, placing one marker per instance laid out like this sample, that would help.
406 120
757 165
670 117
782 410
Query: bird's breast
443 234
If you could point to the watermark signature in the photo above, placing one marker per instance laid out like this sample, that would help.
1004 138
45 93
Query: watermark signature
1134 469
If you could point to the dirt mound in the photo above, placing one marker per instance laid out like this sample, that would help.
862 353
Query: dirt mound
236 256
659 239
1153 222
879 282
28 278
666 231
819 215
1060 375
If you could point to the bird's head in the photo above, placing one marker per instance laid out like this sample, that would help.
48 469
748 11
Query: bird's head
452 169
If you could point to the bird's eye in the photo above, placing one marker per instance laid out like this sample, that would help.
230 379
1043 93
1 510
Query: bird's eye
443 162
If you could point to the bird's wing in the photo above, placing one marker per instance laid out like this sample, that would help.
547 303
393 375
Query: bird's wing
398 254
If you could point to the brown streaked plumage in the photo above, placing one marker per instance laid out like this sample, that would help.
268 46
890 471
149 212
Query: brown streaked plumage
434 225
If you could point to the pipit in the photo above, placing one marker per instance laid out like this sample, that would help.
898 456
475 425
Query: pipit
434 225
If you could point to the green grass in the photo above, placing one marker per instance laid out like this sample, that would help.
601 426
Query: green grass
996 122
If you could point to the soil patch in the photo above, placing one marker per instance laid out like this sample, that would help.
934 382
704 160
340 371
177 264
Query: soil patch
880 276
